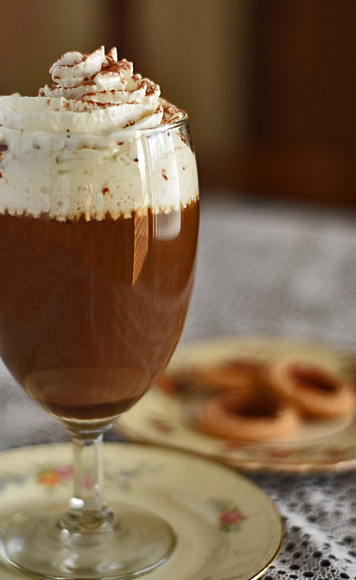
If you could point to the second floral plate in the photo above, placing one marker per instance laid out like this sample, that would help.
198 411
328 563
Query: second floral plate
317 445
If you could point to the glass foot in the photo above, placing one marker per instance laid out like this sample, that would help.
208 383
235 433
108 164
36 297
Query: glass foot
136 543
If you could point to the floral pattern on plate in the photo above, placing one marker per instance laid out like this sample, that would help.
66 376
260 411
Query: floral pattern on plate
232 524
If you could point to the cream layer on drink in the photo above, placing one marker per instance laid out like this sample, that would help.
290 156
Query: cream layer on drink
85 125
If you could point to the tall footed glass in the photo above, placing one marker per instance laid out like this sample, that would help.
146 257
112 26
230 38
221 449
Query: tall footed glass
96 273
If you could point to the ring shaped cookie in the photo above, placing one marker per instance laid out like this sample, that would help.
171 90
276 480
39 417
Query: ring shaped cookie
234 417
312 389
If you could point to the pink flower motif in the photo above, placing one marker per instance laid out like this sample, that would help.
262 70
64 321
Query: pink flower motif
65 472
88 481
230 517
162 425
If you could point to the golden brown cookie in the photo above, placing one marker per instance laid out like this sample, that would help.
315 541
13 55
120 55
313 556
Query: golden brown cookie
248 418
312 389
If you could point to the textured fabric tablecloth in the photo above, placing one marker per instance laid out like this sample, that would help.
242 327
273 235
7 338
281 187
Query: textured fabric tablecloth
264 268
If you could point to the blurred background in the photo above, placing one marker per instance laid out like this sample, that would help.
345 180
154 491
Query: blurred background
269 84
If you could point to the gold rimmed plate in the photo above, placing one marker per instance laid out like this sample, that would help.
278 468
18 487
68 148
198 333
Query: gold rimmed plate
316 445
225 524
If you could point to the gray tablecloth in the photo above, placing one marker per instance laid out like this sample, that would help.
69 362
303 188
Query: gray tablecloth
263 268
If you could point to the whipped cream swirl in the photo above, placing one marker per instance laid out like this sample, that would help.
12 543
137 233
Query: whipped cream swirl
105 91
75 150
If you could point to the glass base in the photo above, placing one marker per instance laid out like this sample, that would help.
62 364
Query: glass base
135 544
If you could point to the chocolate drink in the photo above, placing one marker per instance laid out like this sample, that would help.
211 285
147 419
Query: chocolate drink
91 311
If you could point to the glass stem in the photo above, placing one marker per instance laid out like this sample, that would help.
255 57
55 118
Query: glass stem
87 511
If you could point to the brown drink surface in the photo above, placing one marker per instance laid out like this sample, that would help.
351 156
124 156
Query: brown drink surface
91 311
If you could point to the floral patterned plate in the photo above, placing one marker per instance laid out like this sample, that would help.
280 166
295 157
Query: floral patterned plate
315 446
227 527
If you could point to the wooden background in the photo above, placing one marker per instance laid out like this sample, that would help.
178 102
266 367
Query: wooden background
281 87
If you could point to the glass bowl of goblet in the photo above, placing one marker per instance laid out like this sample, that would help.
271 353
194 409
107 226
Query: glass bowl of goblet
96 273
